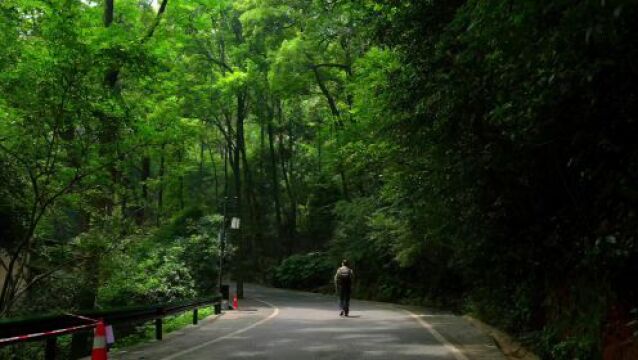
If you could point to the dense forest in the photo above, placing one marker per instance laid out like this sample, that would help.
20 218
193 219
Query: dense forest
478 156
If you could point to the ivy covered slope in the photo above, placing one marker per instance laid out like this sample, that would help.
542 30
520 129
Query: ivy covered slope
475 155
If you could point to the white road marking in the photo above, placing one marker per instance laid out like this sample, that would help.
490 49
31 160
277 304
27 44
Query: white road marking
458 355
234 333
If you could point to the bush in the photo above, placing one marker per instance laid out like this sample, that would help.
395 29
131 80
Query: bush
304 271
157 277
178 262
201 253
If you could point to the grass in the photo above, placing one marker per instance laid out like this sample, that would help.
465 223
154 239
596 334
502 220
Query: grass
146 332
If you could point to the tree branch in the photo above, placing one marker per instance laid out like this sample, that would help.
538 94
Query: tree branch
326 92
158 18
212 59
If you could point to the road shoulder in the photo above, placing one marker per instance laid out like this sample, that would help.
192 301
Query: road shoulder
471 342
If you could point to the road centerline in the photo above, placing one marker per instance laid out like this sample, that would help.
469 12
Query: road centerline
234 333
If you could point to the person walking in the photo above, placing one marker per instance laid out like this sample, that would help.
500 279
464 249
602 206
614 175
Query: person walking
343 285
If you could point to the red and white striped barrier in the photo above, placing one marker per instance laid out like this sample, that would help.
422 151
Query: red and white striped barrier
56 332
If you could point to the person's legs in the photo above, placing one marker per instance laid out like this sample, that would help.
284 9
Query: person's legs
342 300
346 300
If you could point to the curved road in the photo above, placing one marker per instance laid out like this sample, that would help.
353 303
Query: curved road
279 324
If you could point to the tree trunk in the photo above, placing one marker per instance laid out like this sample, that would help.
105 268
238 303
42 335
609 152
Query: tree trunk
239 143
108 12
292 213
160 190
214 166
273 176
146 173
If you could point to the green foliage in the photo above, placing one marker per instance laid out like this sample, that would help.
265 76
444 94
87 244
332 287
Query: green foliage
179 262
500 120
290 68
181 225
201 253
317 219
373 86
157 277
12 211
304 271
472 154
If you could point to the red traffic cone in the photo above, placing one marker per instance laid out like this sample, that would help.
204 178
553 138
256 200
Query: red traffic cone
99 342
235 302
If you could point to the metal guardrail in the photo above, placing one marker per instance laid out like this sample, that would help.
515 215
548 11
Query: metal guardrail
49 327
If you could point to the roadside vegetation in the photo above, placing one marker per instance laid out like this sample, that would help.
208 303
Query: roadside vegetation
475 155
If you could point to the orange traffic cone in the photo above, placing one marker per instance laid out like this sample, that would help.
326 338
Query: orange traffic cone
99 342
235 302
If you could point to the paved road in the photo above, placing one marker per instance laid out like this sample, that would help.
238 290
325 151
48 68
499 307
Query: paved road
282 325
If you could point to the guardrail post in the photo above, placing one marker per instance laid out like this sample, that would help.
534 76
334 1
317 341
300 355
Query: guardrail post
49 351
158 329
195 316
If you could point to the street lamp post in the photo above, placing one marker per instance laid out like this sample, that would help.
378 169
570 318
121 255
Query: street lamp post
222 245
222 230
234 225
223 289
223 237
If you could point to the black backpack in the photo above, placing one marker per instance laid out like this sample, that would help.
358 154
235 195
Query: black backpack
344 277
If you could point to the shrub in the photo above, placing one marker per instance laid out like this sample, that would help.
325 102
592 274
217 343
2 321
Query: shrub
178 262
159 276
304 271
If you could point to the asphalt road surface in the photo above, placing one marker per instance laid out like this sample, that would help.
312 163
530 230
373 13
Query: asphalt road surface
282 325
